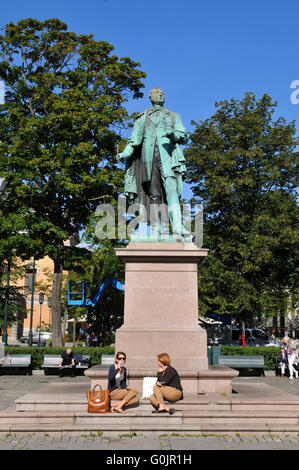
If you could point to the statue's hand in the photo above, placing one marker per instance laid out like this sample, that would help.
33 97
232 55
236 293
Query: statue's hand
170 135
177 137
122 158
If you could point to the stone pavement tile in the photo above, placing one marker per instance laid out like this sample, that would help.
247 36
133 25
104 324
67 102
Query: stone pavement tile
135 443
5 446
259 442
196 443
97 443
43 441
70 446
264 446
165 443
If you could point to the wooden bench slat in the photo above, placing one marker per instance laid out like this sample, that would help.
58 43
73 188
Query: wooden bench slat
17 361
242 361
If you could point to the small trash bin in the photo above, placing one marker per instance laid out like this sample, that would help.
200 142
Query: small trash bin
209 355
216 351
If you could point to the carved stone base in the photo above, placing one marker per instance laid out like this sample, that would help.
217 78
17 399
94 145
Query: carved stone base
161 315
215 379
161 306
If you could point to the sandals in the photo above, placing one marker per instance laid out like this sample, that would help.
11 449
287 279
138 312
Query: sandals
171 411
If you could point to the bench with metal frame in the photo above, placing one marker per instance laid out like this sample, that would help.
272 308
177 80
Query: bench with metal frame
51 362
243 362
107 360
17 361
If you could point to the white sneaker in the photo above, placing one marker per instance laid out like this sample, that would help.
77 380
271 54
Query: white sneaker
291 378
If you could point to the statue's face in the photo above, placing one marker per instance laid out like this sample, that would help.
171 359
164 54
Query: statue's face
157 96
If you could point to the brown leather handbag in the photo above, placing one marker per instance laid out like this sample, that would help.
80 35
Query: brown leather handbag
98 401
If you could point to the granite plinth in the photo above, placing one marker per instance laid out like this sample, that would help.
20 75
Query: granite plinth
161 306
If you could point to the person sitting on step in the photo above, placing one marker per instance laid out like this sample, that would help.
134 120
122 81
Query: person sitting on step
168 386
118 387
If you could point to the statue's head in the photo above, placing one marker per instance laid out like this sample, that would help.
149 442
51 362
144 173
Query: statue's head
156 95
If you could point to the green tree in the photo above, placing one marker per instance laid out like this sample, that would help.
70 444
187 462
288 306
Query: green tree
107 315
13 294
64 104
242 165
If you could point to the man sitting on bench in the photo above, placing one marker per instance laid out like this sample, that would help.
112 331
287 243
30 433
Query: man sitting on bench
67 362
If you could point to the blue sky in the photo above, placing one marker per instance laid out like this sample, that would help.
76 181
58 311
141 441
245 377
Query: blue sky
198 52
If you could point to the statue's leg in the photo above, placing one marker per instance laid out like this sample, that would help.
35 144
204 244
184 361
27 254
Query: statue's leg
154 221
155 195
174 208
159 221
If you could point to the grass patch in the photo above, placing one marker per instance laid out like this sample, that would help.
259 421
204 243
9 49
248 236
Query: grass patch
130 435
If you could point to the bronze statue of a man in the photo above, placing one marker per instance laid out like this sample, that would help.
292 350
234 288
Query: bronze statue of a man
155 163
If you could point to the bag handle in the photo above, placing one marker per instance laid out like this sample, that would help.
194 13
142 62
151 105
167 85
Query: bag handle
97 385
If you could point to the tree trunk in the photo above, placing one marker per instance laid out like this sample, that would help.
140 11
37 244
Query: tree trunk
74 333
57 339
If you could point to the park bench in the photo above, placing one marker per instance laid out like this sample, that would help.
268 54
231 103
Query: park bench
17 361
243 362
51 362
106 361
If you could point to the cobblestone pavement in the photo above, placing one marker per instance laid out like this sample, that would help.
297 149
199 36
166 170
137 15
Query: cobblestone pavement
142 442
14 386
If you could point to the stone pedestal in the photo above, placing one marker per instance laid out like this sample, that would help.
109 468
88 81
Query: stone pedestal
161 315
161 306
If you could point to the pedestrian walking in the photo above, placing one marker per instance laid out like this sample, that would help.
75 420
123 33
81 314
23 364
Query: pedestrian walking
291 352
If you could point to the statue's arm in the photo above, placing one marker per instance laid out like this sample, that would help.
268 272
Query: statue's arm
179 134
133 141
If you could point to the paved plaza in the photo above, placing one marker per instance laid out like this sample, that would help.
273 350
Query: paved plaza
14 386
142 442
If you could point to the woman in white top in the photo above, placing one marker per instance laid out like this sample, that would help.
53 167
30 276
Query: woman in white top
118 387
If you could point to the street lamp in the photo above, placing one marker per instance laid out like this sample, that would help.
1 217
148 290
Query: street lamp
41 301
32 303
4 337
3 184
50 311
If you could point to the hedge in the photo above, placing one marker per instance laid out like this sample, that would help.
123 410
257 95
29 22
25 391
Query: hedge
95 353
37 353
269 353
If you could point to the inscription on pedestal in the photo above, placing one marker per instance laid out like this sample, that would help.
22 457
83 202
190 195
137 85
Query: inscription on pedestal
162 290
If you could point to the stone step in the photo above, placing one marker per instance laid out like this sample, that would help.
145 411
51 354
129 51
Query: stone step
60 404
139 418
68 403
159 428
60 407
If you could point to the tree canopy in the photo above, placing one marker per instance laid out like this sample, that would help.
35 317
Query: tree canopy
243 166
64 104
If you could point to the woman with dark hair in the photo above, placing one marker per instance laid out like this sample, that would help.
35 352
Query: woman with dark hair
168 386
117 385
